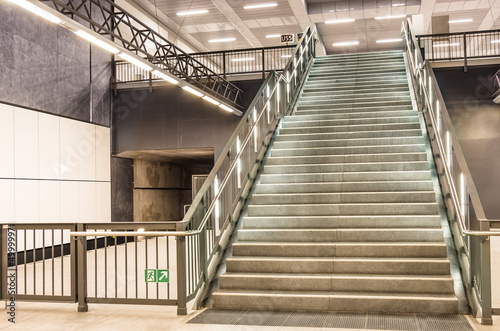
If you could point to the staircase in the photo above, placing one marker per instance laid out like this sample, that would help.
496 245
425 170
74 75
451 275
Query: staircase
344 217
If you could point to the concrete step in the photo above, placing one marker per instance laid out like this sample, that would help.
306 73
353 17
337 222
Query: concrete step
350 167
415 208
348 150
329 221
356 71
356 89
337 301
363 142
341 235
338 99
343 197
355 65
378 176
353 158
325 282
351 115
350 121
333 106
319 110
340 249
345 187
352 128
354 94
373 78
371 134
338 265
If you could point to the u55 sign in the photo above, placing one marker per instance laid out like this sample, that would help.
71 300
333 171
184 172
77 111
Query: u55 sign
287 38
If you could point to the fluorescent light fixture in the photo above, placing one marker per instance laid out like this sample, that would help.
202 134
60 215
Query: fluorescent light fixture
389 40
346 43
389 17
286 55
340 21
215 102
398 4
243 59
226 108
96 41
135 61
37 10
273 36
261 5
445 45
221 40
192 12
165 77
495 41
465 20
192 91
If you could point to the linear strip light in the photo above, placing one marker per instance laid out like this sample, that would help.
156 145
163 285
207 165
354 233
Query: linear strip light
215 102
346 43
192 12
193 91
261 5
243 59
226 108
286 56
221 40
495 41
37 11
340 21
96 41
465 20
389 40
165 77
389 17
273 36
445 45
398 4
135 61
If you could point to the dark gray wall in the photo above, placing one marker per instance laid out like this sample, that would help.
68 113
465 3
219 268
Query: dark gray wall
48 68
168 118
476 120
122 190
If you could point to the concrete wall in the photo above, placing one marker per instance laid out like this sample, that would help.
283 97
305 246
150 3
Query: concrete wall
48 68
161 190
476 120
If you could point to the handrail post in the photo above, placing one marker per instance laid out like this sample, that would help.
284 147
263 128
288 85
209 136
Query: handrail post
224 64
82 270
465 52
486 309
263 65
181 275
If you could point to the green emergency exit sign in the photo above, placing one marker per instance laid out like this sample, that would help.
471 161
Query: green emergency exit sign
156 276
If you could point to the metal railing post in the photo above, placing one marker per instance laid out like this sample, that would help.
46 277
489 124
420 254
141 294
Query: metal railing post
486 309
263 65
181 276
203 253
82 270
465 52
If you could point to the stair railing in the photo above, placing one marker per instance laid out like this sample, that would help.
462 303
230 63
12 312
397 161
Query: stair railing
211 219
470 227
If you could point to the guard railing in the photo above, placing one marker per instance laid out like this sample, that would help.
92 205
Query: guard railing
469 225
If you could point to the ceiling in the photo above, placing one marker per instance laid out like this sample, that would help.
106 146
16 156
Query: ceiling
249 27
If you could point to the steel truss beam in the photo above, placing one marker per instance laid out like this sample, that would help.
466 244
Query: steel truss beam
108 19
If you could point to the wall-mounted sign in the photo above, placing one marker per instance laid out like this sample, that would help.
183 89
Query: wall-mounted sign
299 36
156 275
287 38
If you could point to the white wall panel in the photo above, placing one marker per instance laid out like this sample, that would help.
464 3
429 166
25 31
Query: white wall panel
103 154
7 141
50 200
70 160
88 201
26 201
49 154
70 202
86 151
7 201
103 202
26 143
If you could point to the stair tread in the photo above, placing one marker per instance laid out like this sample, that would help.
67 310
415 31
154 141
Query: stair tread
327 275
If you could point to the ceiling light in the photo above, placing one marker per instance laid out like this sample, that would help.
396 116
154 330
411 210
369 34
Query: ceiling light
215 102
96 41
465 20
243 59
286 55
398 4
37 10
445 45
389 17
226 108
389 40
192 91
135 61
340 21
495 41
192 12
221 40
273 36
346 43
261 5
166 77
